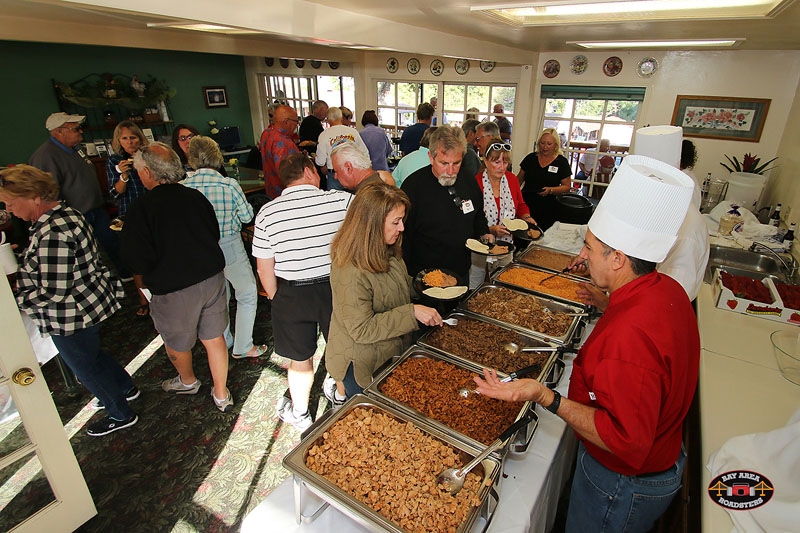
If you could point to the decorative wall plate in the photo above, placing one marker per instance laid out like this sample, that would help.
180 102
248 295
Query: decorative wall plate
269 61
647 67
578 65
300 63
551 68
333 64
315 63
284 62
413 65
392 65
612 66
462 66
487 66
437 67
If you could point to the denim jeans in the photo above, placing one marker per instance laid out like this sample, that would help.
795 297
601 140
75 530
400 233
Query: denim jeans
98 371
100 223
239 274
604 501
333 183
351 386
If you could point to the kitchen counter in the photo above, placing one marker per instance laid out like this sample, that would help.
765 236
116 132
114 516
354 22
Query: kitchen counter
741 389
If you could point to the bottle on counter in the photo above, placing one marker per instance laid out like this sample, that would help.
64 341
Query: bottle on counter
788 239
775 217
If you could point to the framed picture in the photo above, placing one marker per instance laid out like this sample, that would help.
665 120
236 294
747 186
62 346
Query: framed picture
721 117
215 97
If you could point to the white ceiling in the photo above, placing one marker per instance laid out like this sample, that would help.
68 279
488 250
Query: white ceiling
389 23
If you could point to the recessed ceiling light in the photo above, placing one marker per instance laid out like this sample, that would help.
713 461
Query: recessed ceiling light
577 11
658 44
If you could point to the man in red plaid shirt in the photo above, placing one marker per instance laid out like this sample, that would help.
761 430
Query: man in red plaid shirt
276 143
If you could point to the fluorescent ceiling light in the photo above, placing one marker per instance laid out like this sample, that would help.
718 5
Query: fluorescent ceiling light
575 11
211 28
657 44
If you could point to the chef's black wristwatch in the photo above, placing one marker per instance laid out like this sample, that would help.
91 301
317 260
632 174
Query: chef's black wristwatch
553 407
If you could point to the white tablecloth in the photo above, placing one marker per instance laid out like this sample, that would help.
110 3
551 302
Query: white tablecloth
528 496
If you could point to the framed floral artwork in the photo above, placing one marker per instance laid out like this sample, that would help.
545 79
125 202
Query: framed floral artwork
721 117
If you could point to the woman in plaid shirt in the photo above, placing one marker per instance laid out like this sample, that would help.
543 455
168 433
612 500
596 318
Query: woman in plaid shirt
67 291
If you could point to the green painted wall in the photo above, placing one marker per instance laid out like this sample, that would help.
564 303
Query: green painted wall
28 97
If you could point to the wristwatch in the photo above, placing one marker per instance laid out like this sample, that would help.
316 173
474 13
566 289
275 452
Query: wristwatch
553 407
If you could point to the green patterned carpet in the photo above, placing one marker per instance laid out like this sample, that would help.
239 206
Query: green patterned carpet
184 466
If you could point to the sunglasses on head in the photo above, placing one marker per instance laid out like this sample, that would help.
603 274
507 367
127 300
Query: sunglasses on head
505 147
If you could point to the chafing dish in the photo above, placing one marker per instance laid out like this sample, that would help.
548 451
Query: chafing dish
532 250
496 280
551 304
306 480
521 339
517 444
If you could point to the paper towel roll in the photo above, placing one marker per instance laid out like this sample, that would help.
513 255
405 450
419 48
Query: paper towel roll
660 142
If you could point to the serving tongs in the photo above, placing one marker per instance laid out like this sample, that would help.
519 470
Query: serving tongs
453 479
465 392
563 271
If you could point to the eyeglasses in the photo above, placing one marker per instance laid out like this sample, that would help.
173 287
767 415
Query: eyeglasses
76 128
505 147
454 194
184 138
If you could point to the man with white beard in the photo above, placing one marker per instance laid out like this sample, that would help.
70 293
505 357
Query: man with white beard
446 209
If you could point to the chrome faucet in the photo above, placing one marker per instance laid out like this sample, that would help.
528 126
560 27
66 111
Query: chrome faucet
791 268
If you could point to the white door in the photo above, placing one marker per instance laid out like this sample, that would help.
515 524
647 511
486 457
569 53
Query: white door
41 485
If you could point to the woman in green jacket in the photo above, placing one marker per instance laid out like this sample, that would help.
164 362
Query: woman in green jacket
373 316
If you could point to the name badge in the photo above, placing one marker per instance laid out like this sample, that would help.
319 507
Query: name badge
552 168
467 207
592 396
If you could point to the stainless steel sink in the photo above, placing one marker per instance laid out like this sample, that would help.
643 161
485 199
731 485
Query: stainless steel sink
743 261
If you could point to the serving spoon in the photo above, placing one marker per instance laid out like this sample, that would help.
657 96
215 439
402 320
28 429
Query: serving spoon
453 478
513 347
465 392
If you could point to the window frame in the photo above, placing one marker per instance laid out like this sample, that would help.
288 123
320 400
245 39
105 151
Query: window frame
574 150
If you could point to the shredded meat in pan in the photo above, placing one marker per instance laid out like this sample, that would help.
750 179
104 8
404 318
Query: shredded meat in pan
521 310
431 387
483 343
391 466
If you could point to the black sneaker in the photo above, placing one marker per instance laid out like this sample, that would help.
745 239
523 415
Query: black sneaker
131 395
108 425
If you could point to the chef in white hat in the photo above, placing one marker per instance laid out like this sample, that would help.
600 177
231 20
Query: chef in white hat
634 378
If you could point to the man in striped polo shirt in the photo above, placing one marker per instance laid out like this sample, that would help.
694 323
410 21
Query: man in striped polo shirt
293 234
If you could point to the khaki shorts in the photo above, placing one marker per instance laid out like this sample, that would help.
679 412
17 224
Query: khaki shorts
198 311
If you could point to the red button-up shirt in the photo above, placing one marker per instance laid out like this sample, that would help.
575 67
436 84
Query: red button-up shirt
275 144
639 369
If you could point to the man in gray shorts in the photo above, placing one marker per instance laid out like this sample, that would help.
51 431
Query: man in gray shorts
292 242
171 238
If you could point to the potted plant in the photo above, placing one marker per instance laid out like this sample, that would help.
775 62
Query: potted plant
749 164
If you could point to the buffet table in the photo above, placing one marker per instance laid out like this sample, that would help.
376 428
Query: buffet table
528 495
741 389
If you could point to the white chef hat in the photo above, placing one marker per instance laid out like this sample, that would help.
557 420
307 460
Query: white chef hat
643 208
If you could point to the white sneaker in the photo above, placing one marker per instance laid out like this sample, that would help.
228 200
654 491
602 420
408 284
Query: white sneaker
286 413
179 387
226 405
329 388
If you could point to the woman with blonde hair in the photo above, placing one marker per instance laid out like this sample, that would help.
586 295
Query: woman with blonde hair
373 316
545 174
124 184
